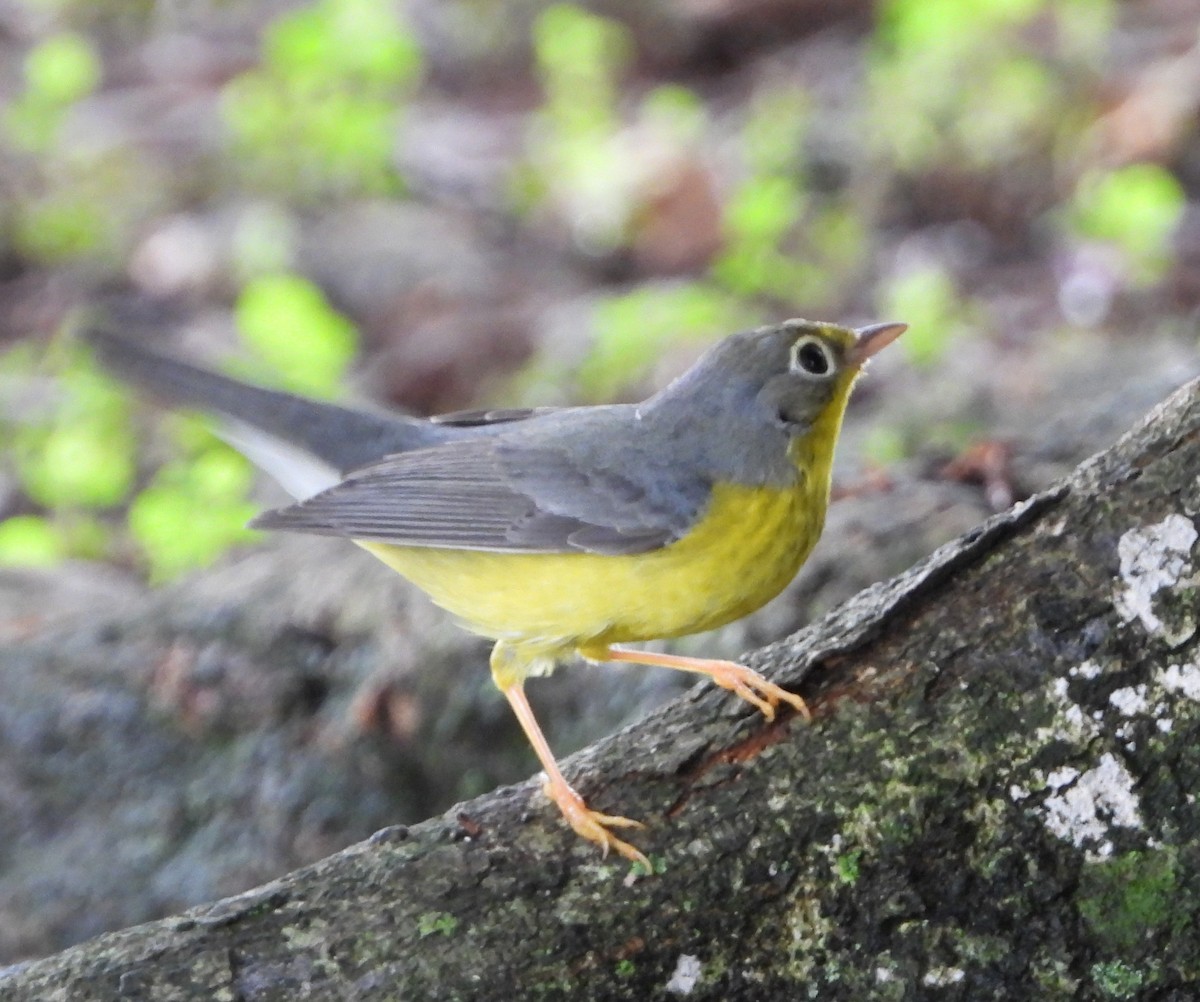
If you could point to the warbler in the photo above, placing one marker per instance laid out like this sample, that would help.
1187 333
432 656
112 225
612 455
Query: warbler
561 532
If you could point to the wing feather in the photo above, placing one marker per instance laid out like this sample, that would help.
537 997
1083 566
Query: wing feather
554 491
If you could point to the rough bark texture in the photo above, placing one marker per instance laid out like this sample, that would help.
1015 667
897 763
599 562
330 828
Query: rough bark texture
995 802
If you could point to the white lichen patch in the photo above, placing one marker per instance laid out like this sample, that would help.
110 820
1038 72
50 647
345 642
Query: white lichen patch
687 972
1181 679
942 977
1061 777
1153 557
1070 721
1130 701
1087 670
1084 811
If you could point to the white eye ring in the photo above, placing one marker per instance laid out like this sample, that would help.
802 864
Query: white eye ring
810 356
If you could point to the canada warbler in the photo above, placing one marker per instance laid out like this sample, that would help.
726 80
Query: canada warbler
558 532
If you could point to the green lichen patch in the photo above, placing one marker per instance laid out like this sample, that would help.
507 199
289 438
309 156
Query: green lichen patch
1116 979
436 923
1131 898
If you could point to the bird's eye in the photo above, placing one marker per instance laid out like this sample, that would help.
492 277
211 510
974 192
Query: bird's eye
811 355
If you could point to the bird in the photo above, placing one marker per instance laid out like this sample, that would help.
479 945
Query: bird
563 532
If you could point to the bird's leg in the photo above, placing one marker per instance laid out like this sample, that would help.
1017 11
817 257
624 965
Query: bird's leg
739 679
592 825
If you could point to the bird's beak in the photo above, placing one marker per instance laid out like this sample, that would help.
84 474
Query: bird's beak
873 339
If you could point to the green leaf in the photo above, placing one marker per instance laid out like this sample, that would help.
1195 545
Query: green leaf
764 209
927 300
912 25
30 541
341 41
1022 94
60 226
319 115
632 331
572 44
61 70
1136 207
192 512
774 133
80 451
79 465
290 324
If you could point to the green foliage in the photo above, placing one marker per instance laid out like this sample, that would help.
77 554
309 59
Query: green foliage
1136 208
30 541
631 331
774 132
71 451
192 511
76 451
847 865
1002 103
74 456
928 301
944 27
757 218
73 443
885 445
71 199
319 115
58 72
263 241
579 56
1116 979
1130 897
576 158
1084 29
769 205
290 324
587 161
1021 110
439 923
81 463
782 240
61 215
61 226
61 70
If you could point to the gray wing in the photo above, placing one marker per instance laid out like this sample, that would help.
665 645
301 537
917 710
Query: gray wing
508 494
491 416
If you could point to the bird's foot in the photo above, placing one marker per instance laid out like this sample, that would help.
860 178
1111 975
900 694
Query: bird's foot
594 826
753 688
738 679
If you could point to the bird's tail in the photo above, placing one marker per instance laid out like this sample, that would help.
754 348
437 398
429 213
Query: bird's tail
307 445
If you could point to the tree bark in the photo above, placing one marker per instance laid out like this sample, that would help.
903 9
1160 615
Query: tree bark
995 801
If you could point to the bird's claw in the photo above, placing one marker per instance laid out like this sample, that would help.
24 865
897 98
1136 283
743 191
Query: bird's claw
755 689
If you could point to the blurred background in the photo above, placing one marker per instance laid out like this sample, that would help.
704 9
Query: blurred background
437 204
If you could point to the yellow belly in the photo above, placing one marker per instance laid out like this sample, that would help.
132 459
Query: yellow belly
746 548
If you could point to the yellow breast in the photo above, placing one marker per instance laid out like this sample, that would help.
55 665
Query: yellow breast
741 553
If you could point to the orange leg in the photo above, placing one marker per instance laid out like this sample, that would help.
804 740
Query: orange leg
739 679
590 824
